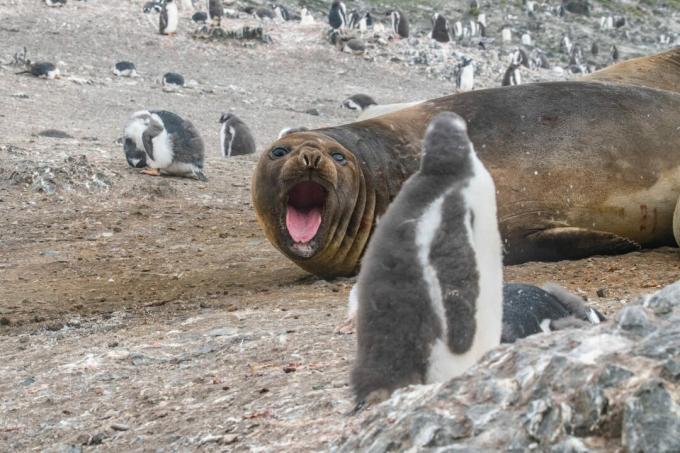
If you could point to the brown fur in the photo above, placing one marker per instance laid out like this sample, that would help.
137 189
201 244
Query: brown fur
581 168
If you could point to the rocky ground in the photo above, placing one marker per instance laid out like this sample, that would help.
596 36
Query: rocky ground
142 313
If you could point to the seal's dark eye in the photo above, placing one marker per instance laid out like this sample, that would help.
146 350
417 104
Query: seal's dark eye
279 152
338 157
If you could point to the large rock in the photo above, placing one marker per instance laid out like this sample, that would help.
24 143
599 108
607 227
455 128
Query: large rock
611 387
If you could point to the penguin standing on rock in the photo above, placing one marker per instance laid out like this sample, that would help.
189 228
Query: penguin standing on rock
430 288
337 16
400 25
441 31
216 12
465 75
43 70
169 17
172 145
235 137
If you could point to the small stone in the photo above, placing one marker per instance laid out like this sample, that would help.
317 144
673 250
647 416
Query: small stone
54 327
229 439
650 420
120 427
5 321
112 344
313 112
612 375
634 318
222 332
671 370
602 292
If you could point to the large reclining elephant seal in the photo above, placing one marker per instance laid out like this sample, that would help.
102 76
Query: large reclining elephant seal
581 168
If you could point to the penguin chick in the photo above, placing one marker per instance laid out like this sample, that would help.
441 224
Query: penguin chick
235 137
430 288
44 70
167 22
172 80
358 102
400 26
354 46
441 31
124 69
200 17
171 144
528 310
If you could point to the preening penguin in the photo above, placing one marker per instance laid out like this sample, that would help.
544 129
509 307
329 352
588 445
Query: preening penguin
440 28
337 16
235 137
171 144
169 17
528 310
430 288
400 25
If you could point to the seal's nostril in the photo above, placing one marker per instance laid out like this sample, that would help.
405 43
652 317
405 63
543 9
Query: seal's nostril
317 161
305 159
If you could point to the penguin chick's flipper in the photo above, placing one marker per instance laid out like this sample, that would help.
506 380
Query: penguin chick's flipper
152 171
571 243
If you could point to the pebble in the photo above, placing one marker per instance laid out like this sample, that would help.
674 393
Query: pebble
120 427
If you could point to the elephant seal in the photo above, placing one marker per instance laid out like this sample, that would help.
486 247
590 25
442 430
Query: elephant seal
581 168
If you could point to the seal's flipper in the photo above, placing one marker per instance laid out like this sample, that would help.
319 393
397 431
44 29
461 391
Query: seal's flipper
569 243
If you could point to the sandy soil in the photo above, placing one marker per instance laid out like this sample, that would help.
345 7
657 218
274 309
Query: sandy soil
145 313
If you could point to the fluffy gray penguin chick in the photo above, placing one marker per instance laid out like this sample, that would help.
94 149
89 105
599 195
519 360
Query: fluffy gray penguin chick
429 293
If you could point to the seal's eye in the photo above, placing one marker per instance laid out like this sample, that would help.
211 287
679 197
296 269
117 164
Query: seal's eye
279 152
339 157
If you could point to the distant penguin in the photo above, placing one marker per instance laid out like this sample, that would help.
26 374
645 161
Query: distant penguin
285 14
124 69
429 293
154 6
171 144
167 22
528 310
566 45
458 29
526 39
200 17
358 102
235 137
43 70
594 49
354 46
614 53
506 34
465 77
337 16
400 26
353 19
512 75
55 2
440 28
620 22
173 80
306 17
481 19
215 11
538 59
606 22
576 56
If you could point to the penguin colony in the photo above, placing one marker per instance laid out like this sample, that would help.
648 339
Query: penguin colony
430 299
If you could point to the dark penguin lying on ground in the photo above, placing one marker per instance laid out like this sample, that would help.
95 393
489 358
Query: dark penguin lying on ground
358 102
235 137
43 70
430 288
124 69
171 144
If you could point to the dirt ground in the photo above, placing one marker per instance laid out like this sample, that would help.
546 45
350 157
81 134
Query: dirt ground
141 313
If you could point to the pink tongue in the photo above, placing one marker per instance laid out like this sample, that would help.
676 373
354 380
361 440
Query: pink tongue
303 225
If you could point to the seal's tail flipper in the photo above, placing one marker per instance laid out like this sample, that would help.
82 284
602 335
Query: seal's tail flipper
660 71
569 243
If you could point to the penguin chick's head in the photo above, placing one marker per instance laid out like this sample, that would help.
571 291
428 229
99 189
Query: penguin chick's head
446 147
226 117
148 120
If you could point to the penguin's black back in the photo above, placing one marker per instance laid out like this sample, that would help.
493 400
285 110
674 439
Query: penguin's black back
525 307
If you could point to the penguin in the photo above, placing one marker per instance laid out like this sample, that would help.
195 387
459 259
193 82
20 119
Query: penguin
440 28
153 6
358 102
173 80
200 17
506 34
57 3
400 25
124 69
235 137
576 56
538 59
306 17
566 45
172 145
614 53
520 57
528 310
366 22
337 16
512 75
481 20
354 46
526 39
353 19
167 22
458 29
594 49
620 22
265 13
215 11
284 13
430 289
465 77
43 70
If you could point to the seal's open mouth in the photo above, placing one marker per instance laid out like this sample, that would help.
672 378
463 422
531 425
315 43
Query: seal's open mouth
306 201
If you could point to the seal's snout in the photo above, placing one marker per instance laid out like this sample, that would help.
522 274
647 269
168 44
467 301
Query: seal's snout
311 158
304 209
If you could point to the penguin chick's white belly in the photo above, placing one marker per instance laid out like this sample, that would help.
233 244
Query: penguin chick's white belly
226 150
162 151
485 240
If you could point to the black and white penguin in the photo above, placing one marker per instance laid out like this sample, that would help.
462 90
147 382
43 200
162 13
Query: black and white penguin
538 59
512 75
465 75
169 18
284 13
430 288
441 31
44 70
566 45
55 2
353 19
614 53
215 11
124 69
172 80
528 310
358 102
172 145
235 136
400 25
337 16
154 6
457 29
200 17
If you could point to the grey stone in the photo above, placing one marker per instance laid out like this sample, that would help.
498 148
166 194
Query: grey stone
671 371
634 319
651 420
612 375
